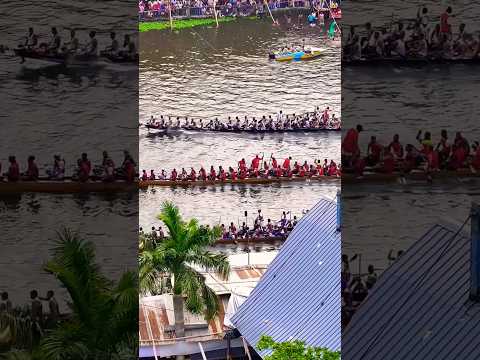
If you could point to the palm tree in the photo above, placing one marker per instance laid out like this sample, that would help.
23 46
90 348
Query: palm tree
183 248
104 322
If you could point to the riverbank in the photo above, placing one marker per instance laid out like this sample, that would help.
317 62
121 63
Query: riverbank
180 24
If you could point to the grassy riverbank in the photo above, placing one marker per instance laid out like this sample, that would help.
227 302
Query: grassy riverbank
181 24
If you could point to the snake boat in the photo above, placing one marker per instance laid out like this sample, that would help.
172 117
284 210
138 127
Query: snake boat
250 131
66 187
71 59
379 178
251 241
309 53
259 180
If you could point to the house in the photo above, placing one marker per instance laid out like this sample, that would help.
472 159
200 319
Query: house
299 295
156 319
427 304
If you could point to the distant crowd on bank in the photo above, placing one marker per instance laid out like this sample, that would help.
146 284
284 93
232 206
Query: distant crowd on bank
152 9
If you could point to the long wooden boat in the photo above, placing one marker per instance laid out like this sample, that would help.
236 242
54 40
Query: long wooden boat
269 180
251 241
251 131
379 178
66 187
69 59
408 62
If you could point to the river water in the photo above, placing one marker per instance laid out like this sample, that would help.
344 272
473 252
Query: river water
208 72
390 100
50 109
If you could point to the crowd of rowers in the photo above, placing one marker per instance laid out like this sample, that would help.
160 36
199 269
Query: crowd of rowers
83 172
318 119
259 229
55 46
416 39
427 154
259 168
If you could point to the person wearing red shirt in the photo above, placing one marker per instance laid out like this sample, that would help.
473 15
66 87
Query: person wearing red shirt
274 163
286 163
396 148
86 164
144 175
459 156
350 148
388 163
233 174
13 173
445 27
433 160
319 169
332 168
221 174
256 163
202 174
174 175
213 173
278 171
193 174
129 168
32 173
374 151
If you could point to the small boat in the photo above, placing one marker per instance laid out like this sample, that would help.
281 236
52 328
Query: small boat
418 175
164 130
66 187
309 53
268 180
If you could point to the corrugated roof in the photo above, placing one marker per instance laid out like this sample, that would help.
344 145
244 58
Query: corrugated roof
420 307
157 317
299 295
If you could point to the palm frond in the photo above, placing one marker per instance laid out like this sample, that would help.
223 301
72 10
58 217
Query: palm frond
210 262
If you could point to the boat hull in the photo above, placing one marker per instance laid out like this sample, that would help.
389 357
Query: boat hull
269 131
66 187
414 176
252 181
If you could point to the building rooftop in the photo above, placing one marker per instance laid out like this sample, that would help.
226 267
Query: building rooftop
420 306
299 295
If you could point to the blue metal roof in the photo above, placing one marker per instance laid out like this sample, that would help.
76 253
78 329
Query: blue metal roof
420 307
299 295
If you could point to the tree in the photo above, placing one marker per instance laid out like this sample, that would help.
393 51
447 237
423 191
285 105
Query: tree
294 350
104 321
184 247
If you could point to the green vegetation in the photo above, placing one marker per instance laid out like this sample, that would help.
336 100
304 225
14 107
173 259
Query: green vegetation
295 350
181 24
103 323
184 246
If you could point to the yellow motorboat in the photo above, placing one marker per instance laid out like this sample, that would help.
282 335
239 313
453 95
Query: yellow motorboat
308 53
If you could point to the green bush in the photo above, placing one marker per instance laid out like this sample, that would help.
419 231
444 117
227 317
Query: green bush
294 350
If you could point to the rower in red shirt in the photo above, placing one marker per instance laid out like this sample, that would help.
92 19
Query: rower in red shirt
83 170
278 171
301 172
202 174
319 169
221 174
242 165
374 151
233 174
129 168
144 175
388 164
213 173
274 163
350 146
86 164
286 163
444 148
396 148
433 160
13 173
193 174
445 27
174 175
243 174
32 173
459 156
256 163
332 168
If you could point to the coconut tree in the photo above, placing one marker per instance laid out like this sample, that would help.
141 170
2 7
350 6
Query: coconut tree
179 255
104 321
